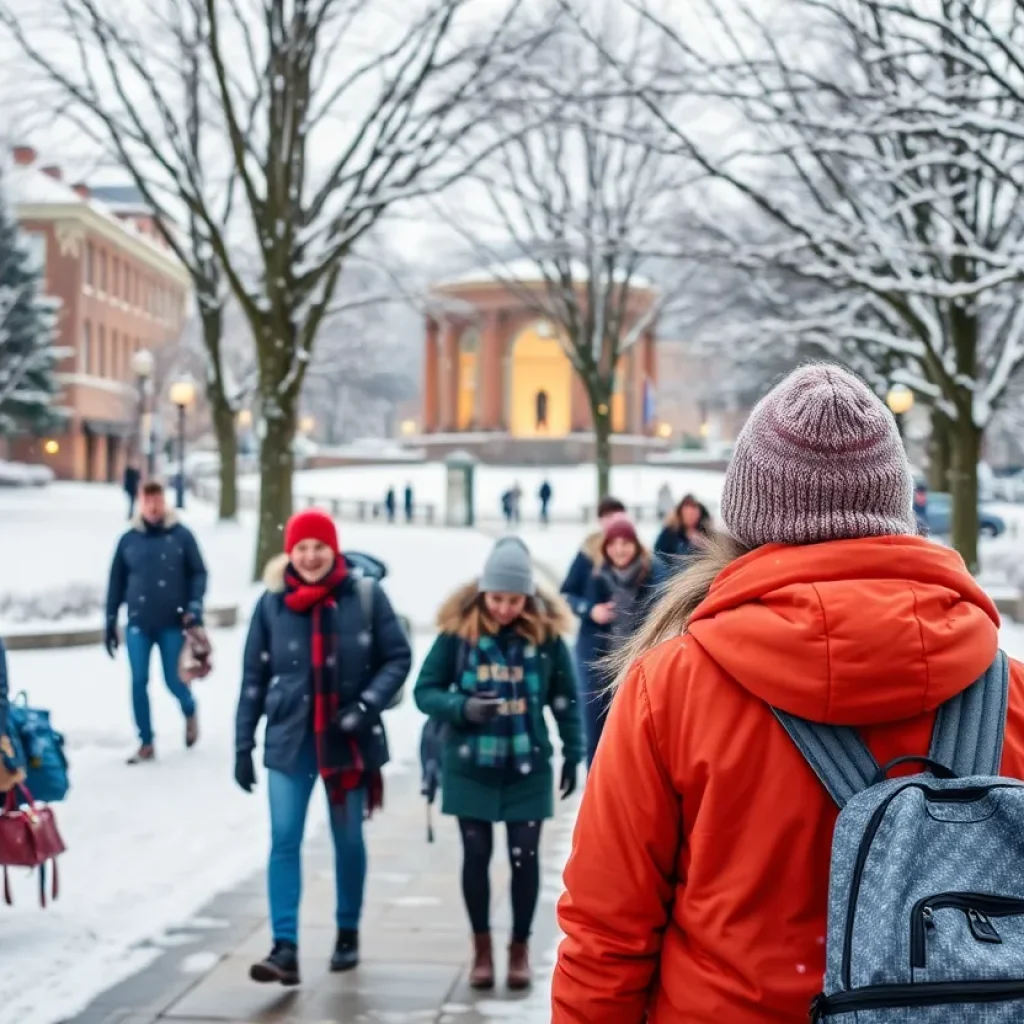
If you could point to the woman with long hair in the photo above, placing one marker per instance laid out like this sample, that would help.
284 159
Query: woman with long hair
697 888
499 660
686 531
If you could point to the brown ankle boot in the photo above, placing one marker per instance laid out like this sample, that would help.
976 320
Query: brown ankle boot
481 974
518 966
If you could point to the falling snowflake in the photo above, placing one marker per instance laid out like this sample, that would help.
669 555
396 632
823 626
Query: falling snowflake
560 703
264 656
465 752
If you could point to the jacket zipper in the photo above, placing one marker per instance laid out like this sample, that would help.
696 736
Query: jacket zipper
935 994
977 906
874 824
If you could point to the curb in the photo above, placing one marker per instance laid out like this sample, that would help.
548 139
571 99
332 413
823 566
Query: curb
216 617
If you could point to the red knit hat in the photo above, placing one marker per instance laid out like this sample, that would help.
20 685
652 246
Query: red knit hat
311 524
620 528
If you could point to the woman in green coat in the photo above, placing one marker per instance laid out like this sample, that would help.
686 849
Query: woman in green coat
498 662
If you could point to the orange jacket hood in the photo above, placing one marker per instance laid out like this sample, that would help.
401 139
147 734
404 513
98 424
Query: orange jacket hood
852 632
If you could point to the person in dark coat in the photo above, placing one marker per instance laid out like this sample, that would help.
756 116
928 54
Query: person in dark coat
500 659
132 479
921 509
159 574
322 677
686 532
622 586
10 772
390 503
545 494
409 506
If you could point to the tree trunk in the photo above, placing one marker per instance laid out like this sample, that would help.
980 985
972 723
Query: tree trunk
965 441
940 452
603 449
227 448
277 463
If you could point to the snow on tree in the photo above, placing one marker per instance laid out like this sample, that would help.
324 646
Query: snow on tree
329 112
28 328
579 209
882 141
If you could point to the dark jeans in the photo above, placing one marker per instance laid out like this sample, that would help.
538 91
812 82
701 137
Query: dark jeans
594 705
524 858
140 652
289 801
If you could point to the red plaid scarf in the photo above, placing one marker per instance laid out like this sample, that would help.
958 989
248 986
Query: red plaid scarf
341 766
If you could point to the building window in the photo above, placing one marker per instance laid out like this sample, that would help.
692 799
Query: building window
101 353
33 243
103 271
115 277
86 352
115 356
90 264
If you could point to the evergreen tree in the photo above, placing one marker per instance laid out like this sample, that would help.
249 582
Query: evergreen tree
28 327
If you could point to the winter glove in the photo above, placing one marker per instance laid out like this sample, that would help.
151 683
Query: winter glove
355 718
110 639
481 710
245 772
567 787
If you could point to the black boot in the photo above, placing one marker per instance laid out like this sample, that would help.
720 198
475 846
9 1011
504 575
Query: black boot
281 967
346 951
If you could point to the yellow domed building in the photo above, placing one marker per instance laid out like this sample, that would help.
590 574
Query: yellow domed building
497 380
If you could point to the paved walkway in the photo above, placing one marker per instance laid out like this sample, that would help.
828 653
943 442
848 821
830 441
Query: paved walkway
415 941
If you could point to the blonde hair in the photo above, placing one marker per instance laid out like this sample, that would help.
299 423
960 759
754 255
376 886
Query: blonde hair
676 603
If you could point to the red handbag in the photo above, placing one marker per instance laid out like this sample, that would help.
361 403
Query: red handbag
29 839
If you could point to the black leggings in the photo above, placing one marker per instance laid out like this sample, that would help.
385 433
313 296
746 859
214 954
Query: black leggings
524 858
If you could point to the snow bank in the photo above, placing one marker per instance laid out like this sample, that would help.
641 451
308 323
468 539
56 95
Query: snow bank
20 474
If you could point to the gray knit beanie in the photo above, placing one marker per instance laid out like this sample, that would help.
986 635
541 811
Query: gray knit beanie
819 459
508 569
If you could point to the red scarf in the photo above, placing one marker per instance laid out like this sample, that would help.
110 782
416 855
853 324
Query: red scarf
345 770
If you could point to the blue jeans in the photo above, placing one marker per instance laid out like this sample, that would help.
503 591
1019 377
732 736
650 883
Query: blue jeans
289 801
140 649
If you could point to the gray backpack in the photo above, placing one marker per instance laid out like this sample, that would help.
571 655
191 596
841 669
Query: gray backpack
926 895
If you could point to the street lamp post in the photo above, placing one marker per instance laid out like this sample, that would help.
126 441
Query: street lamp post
142 367
900 400
183 392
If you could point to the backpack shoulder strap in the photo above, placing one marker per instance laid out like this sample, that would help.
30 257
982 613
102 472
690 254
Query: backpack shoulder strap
837 755
365 586
968 736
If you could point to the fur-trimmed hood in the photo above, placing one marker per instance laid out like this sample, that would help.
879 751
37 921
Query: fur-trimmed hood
170 519
453 617
273 573
591 547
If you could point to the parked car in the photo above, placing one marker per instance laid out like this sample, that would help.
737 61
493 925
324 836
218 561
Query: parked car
940 517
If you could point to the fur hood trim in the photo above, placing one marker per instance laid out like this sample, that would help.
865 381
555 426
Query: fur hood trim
453 615
591 547
170 519
273 574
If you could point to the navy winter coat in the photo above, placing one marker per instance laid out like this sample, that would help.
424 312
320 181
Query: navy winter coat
158 573
575 589
277 676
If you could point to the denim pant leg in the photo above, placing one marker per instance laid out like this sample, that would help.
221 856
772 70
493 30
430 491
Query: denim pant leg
349 858
594 708
140 646
289 800
170 643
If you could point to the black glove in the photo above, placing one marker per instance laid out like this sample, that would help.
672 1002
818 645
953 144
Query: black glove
480 710
111 640
245 772
354 718
570 771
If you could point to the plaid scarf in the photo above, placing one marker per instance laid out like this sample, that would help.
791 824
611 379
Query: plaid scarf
512 675
341 769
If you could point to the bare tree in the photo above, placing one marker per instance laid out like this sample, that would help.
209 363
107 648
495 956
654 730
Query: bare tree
333 110
885 152
583 208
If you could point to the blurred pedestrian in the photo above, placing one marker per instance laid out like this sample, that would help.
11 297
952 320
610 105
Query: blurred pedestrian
619 593
506 507
132 479
499 661
921 508
517 502
665 501
545 494
158 573
698 885
409 505
308 668
686 532
390 504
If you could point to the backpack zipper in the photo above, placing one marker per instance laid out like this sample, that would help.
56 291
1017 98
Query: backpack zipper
877 997
978 907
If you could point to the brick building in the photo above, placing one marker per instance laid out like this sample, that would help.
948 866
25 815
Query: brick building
121 290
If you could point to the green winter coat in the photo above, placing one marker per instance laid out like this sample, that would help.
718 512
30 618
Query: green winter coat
496 794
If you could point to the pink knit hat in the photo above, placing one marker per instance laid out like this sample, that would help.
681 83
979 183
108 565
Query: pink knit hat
819 459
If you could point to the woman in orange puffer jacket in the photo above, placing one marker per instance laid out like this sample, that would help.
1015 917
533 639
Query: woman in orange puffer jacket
697 888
